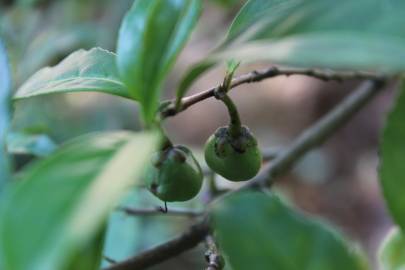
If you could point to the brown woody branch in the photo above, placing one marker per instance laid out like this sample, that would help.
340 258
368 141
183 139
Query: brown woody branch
187 240
309 139
259 75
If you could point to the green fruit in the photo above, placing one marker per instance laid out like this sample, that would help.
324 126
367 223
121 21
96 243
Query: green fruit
235 158
175 175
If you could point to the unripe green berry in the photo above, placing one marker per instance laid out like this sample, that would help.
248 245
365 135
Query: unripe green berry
174 175
235 158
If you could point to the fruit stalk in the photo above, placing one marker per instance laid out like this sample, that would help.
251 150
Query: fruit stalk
166 143
235 125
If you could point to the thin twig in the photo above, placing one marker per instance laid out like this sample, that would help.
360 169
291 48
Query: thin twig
109 260
259 75
155 212
172 248
309 139
213 256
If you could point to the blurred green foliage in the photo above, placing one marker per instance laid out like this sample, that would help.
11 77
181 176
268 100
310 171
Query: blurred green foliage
41 33
64 200
392 168
268 235
392 249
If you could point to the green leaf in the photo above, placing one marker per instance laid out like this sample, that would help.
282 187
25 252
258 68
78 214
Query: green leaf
5 88
257 231
90 256
392 156
91 71
392 250
30 144
151 36
254 14
314 50
363 34
61 203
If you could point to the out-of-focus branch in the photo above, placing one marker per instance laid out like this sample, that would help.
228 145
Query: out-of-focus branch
109 260
259 75
318 133
172 248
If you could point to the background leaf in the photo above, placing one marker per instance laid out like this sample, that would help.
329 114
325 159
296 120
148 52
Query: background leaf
5 88
151 36
320 32
257 231
49 46
75 189
392 250
392 156
92 70
30 144
253 13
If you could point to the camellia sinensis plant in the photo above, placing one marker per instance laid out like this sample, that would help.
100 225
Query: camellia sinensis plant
54 212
